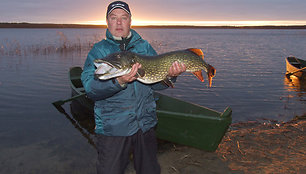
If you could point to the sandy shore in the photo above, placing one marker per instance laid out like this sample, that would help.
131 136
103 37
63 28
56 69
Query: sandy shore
249 147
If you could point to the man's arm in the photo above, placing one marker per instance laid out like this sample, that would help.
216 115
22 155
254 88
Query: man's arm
97 89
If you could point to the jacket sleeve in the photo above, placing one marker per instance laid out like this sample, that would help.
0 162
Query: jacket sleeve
97 89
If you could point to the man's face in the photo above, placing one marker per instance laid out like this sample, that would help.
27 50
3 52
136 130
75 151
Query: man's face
119 23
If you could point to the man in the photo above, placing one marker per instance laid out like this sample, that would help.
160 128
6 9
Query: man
125 110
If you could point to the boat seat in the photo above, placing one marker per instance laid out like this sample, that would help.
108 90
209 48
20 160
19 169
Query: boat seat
75 78
296 64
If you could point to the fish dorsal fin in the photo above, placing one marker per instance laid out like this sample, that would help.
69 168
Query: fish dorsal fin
197 51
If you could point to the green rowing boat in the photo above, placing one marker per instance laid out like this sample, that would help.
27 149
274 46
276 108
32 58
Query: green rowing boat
179 121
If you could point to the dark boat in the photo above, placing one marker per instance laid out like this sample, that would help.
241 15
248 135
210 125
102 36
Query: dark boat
179 121
296 67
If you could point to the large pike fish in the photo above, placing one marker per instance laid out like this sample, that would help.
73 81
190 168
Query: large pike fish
153 68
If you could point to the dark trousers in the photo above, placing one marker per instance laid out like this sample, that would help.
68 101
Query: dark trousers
114 153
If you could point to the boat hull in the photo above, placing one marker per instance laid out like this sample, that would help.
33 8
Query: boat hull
178 121
294 66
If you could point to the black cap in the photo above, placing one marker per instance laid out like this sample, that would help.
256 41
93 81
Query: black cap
118 4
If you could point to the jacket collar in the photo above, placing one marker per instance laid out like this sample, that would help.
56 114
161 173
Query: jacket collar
135 36
121 38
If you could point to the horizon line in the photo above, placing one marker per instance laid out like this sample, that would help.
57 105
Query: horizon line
189 23
171 25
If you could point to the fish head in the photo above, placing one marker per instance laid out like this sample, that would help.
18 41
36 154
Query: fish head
114 65
211 71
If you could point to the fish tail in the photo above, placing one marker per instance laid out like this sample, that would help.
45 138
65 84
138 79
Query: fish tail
211 71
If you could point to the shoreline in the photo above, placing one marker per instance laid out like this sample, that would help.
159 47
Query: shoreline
248 147
254 147
51 25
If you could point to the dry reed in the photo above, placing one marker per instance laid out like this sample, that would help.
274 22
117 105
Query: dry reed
14 48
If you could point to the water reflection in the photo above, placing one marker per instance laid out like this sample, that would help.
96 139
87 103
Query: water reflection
297 85
293 83
83 121
84 117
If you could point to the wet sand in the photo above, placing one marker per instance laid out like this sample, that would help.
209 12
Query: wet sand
248 147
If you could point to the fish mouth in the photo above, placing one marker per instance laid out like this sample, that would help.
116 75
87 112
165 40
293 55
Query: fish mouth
106 70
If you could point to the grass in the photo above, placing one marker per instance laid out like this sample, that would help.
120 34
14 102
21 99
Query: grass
14 48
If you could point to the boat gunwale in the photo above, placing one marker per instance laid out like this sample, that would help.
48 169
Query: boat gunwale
211 117
72 84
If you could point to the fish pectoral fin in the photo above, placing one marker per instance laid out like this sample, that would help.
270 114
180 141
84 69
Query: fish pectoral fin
199 75
141 72
168 82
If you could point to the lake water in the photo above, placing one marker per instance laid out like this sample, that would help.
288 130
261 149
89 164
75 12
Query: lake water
34 63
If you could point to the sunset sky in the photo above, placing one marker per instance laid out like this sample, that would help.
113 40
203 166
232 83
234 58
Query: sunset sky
159 12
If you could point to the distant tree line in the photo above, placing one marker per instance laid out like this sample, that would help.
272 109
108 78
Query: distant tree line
47 25
50 25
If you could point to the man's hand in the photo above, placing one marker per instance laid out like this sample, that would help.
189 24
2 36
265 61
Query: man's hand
176 69
130 76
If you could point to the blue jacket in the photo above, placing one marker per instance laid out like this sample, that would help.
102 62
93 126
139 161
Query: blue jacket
120 111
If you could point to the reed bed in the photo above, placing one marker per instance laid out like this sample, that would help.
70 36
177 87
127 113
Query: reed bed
15 48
